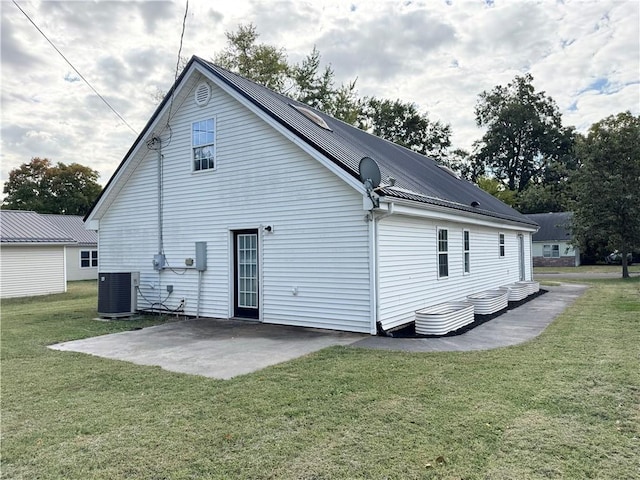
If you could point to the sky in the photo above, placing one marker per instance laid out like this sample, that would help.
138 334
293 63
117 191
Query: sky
439 54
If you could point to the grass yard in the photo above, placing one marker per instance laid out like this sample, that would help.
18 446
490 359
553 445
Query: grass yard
608 269
565 405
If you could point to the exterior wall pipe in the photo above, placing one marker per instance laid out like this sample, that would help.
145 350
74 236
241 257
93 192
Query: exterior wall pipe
199 290
159 150
376 248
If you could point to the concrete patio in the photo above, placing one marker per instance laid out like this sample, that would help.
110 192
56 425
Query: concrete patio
224 349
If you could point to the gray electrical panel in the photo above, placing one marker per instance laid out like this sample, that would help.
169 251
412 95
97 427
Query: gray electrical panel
201 256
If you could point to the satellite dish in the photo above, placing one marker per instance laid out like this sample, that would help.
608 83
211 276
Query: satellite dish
370 176
370 171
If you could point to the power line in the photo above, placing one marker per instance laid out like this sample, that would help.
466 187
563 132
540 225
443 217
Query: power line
74 68
175 77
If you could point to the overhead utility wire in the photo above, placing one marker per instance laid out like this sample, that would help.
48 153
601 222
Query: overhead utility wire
74 68
175 77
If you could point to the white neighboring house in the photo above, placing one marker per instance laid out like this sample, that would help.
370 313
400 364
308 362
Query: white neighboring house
552 243
81 257
32 255
247 204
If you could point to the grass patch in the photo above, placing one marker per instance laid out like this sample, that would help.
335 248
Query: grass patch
565 405
586 269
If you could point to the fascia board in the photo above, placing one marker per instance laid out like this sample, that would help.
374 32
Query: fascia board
436 212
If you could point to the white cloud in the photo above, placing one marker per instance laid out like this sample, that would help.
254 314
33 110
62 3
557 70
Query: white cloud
440 55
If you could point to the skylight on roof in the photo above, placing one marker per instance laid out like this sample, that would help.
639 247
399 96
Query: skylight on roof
449 171
313 116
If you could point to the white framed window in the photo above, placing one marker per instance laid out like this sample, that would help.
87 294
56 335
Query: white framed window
465 251
501 244
88 258
551 251
443 253
203 147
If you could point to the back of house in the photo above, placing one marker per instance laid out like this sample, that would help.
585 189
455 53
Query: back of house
236 201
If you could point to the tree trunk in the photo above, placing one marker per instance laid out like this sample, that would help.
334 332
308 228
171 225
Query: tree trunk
625 266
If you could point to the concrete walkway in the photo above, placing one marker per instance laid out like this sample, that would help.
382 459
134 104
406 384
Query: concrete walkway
224 349
511 328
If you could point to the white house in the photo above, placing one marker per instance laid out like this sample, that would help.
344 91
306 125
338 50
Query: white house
81 256
32 255
552 242
236 201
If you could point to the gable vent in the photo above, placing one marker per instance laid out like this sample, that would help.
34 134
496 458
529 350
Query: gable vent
202 94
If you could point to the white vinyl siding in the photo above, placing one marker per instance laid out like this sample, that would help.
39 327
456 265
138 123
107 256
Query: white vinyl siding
75 270
32 270
318 248
408 266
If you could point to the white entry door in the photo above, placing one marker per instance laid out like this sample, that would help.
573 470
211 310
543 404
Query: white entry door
246 274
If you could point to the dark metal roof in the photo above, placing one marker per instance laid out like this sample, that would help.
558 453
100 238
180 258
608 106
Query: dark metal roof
553 226
73 226
418 178
21 226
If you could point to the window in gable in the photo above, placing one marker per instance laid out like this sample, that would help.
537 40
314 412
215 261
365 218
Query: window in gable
443 253
203 145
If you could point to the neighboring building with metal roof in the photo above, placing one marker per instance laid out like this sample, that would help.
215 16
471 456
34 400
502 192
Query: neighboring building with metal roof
552 242
32 255
82 256
236 201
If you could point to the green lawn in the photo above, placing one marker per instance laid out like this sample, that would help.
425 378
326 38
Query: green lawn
587 269
565 405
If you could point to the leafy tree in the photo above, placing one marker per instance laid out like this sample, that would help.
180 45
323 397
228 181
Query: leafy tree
462 162
317 89
46 188
308 83
402 123
524 132
496 188
607 206
541 198
262 63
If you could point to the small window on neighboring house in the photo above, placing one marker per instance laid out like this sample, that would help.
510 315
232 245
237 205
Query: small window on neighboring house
501 241
443 253
88 258
203 145
551 251
465 251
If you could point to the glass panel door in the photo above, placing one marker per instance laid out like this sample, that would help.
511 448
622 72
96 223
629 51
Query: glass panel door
246 274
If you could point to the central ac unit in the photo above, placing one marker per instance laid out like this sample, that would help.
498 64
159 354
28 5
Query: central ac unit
117 294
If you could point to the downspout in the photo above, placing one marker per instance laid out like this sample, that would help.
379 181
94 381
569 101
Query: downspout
376 247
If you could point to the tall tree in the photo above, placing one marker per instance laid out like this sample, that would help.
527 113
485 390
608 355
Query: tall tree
401 122
496 188
607 206
524 132
316 88
46 188
262 63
